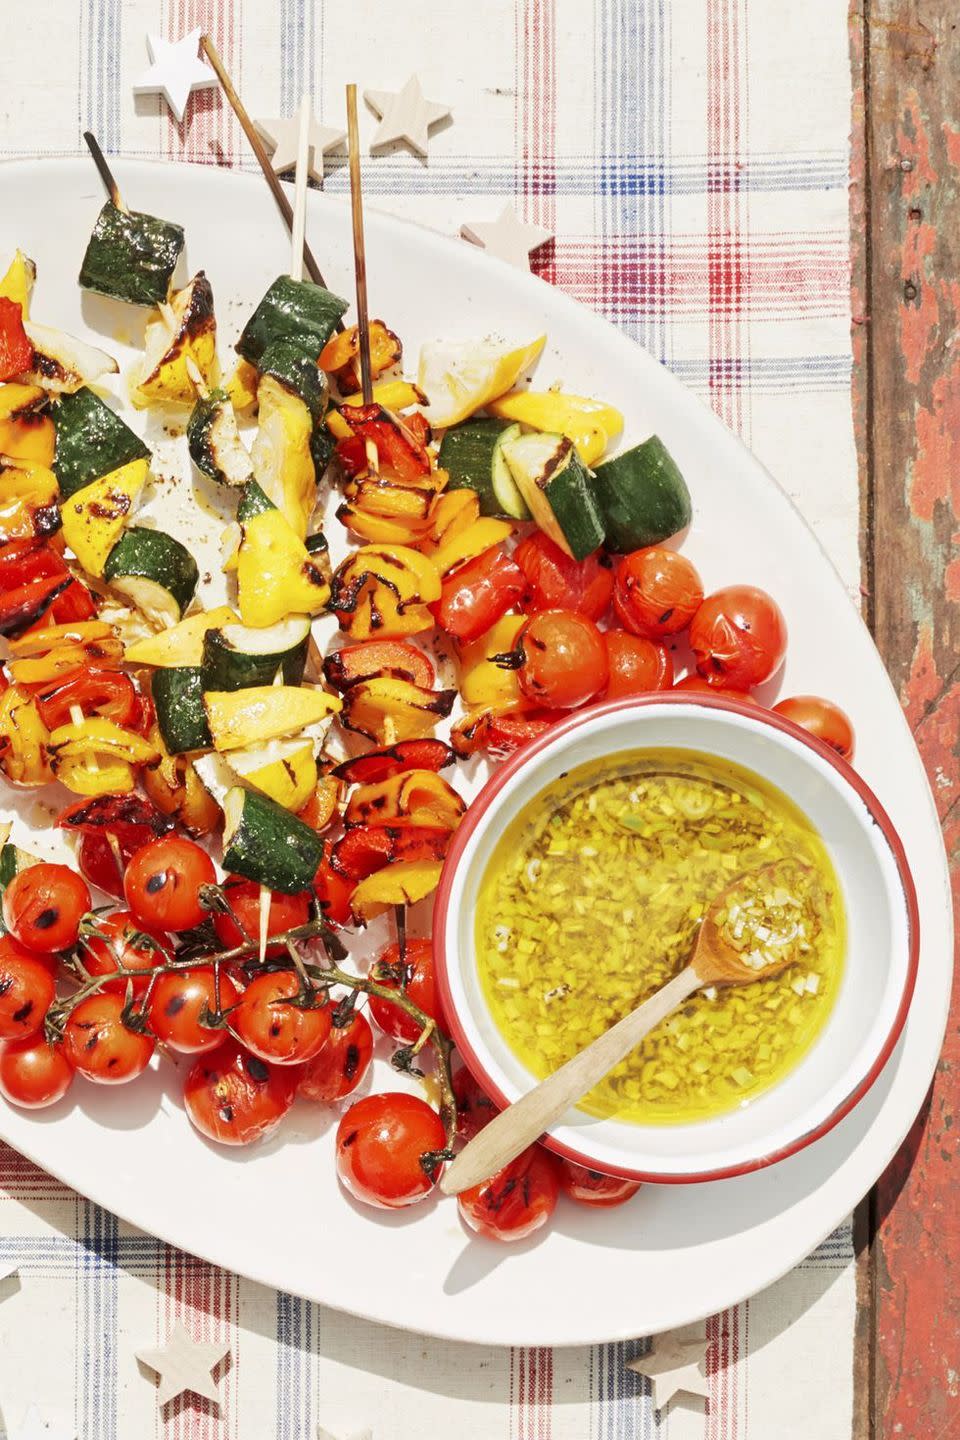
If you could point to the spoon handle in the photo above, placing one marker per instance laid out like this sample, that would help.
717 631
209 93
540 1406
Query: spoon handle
525 1121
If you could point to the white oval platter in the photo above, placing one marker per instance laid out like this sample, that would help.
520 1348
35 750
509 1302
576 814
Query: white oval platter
677 1253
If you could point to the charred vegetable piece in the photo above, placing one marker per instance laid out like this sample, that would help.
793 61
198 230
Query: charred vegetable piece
590 424
22 605
182 644
498 733
293 310
367 848
26 432
16 351
341 355
24 758
485 684
238 718
403 883
28 502
286 770
558 488
282 456
18 281
178 700
214 441
399 452
253 502
383 591
237 656
95 517
385 709
276 574
92 441
131 256
61 363
185 330
391 659
154 571
472 455
414 797
407 755
174 786
265 843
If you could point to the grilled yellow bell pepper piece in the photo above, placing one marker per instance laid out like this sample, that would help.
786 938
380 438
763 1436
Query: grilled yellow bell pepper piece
95 517
95 735
184 329
17 283
241 388
25 433
386 709
28 502
590 424
176 789
391 394
415 797
239 718
23 757
282 462
287 771
382 592
453 512
182 644
102 776
402 883
481 535
484 684
276 574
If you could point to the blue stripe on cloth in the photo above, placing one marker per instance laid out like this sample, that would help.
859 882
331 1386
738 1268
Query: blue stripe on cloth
780 373
296 1326
625 1410
102 24
97 1258
298 52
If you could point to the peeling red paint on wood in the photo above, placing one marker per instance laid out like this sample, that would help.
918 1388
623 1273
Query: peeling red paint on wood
909 432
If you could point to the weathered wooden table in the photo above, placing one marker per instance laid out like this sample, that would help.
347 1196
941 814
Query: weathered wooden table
906 228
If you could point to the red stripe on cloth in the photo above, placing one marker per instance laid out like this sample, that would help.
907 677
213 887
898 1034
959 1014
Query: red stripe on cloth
536 104
531 1393
205 1300
726 135
209 134
23 1181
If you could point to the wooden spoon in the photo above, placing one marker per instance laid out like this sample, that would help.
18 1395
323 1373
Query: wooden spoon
714 962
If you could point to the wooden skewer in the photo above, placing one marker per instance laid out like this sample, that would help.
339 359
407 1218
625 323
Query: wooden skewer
106 174
299 226
266 899
263 159
359 250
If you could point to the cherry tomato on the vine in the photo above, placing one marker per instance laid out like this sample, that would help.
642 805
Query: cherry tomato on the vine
476 594
43 906
593 1187
100 1046
236 1098
475 1109
286 913
564 659
517 1200
380 1142
637 666
34 1073
120 942
27 989
276 1022
656 592
822 718
413 973
341 1064
739 637
555 581
179 1002
163 880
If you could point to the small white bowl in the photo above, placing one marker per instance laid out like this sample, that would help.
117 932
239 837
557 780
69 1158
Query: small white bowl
882 936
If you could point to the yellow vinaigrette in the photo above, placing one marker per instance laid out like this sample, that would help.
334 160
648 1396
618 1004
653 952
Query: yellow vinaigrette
592 901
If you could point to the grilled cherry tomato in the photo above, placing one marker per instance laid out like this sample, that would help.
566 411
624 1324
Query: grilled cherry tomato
97 692
563 659
739 637
412 973
122 943
236 1098
475 1109
333 891
656 592
34 1073
636 665
43 907
341 1064
179 1002
517 1200
555 581
822 718
275 1022
100 1046
162 883
476 594
286 912
381 1143
593 1187
699 686
26 990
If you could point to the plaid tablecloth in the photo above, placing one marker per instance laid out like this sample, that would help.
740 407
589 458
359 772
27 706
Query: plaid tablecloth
691 157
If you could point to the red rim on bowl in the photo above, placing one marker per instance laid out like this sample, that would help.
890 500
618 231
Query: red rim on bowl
561 730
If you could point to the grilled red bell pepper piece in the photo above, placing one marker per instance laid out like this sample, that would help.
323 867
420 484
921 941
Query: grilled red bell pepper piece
112 828
498 734
367 848
393 658
476 594
22 604
555 581
109 693
399 452
394 760
16 352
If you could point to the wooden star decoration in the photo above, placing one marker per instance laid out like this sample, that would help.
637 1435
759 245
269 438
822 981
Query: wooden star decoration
673 1366
404 115
176 70
185 1364
507 237
282 135
43 1425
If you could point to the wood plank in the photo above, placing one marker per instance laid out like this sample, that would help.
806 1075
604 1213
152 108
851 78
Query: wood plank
908 410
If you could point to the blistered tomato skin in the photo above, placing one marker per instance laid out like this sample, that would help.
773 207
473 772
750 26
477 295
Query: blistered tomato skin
271 1021
637 666
163 881
341 1064
656 592
43 906
739 637
593 1187
821 718
381 1142
34 1073
515 1202
564 660
27 990
413 973
100 1046
235 1098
